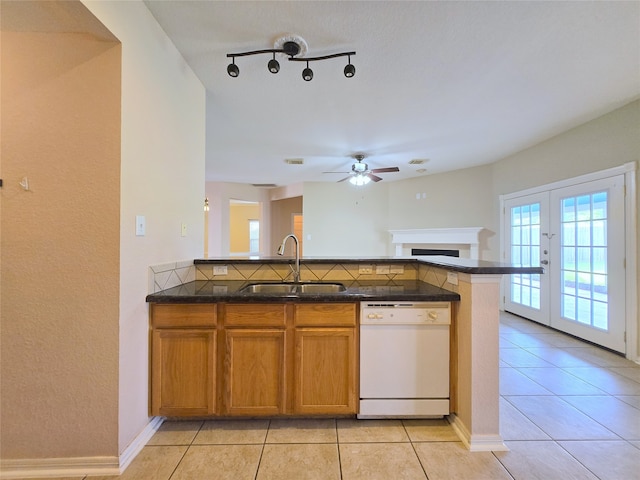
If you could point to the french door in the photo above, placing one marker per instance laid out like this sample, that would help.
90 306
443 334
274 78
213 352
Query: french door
577 234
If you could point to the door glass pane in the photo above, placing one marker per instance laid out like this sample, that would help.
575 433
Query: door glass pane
525 251
584 259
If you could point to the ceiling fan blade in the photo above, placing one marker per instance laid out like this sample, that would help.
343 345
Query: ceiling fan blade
345 178
385 170
373 177
336 172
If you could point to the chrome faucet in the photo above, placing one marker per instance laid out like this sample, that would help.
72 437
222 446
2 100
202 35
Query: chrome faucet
296 272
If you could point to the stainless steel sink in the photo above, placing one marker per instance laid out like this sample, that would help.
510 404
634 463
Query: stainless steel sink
293 288
274 288
320 288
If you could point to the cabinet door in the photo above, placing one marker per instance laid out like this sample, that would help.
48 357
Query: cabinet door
325 371
183 372
254 366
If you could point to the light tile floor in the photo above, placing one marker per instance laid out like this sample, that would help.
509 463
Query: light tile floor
569 410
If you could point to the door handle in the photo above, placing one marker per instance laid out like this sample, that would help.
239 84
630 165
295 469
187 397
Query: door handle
544 262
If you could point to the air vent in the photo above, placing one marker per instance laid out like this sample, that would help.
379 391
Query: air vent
264 185
417 161
294 161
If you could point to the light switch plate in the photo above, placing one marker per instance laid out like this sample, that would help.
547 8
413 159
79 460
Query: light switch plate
382 269
141 225
452 278
183 230
396 269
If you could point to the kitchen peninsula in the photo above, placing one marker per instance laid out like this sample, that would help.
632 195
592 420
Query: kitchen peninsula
472 287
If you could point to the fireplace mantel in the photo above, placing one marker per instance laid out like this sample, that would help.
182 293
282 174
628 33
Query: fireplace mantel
438 236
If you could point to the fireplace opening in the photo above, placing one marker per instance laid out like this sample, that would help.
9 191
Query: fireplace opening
435 251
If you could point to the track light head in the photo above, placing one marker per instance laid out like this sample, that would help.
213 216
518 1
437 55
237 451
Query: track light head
349 71
307 74
273 65
233 70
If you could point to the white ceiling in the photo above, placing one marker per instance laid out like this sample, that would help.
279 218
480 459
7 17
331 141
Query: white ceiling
457 83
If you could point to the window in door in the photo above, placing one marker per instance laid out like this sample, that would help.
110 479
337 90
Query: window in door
525 252
584 259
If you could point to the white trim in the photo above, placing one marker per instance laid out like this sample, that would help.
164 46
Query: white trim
59 467
631 242
631 270
438 236
138 443
79 466
477 443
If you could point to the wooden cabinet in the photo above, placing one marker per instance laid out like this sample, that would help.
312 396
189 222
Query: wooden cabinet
249 359
254 379
325 359
183 360
255 363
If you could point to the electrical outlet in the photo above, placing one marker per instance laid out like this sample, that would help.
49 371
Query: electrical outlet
219 269
365 269
382 269
452 278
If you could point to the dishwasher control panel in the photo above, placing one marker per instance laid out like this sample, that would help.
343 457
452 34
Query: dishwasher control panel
426 313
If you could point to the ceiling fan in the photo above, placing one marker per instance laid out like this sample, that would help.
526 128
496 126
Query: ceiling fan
360 173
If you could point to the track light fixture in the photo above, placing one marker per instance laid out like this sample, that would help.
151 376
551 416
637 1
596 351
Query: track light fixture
290 46
233 69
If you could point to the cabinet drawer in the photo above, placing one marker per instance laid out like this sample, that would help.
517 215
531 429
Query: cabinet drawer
325 314
183 315
255 315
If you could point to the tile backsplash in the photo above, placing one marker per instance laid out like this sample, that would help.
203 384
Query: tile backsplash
168 275
312 272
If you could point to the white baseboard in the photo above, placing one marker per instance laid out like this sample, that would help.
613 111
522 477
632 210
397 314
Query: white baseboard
78 466
138 443
477 443
59 467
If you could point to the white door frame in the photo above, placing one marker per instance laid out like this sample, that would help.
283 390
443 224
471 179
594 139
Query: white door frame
631 216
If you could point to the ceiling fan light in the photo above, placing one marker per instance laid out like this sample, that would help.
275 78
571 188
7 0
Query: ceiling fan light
349 71
233 70
359 180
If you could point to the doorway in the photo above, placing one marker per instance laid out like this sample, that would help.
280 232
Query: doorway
244 227
576 232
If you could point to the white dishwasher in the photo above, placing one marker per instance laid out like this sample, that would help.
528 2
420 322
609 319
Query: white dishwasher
404 359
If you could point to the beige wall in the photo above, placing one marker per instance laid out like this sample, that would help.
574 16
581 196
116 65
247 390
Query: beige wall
162 173
240 214
282 223
342 220
60 244
104 132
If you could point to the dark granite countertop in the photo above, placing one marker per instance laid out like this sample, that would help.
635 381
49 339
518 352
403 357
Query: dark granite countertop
455 264
211 291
